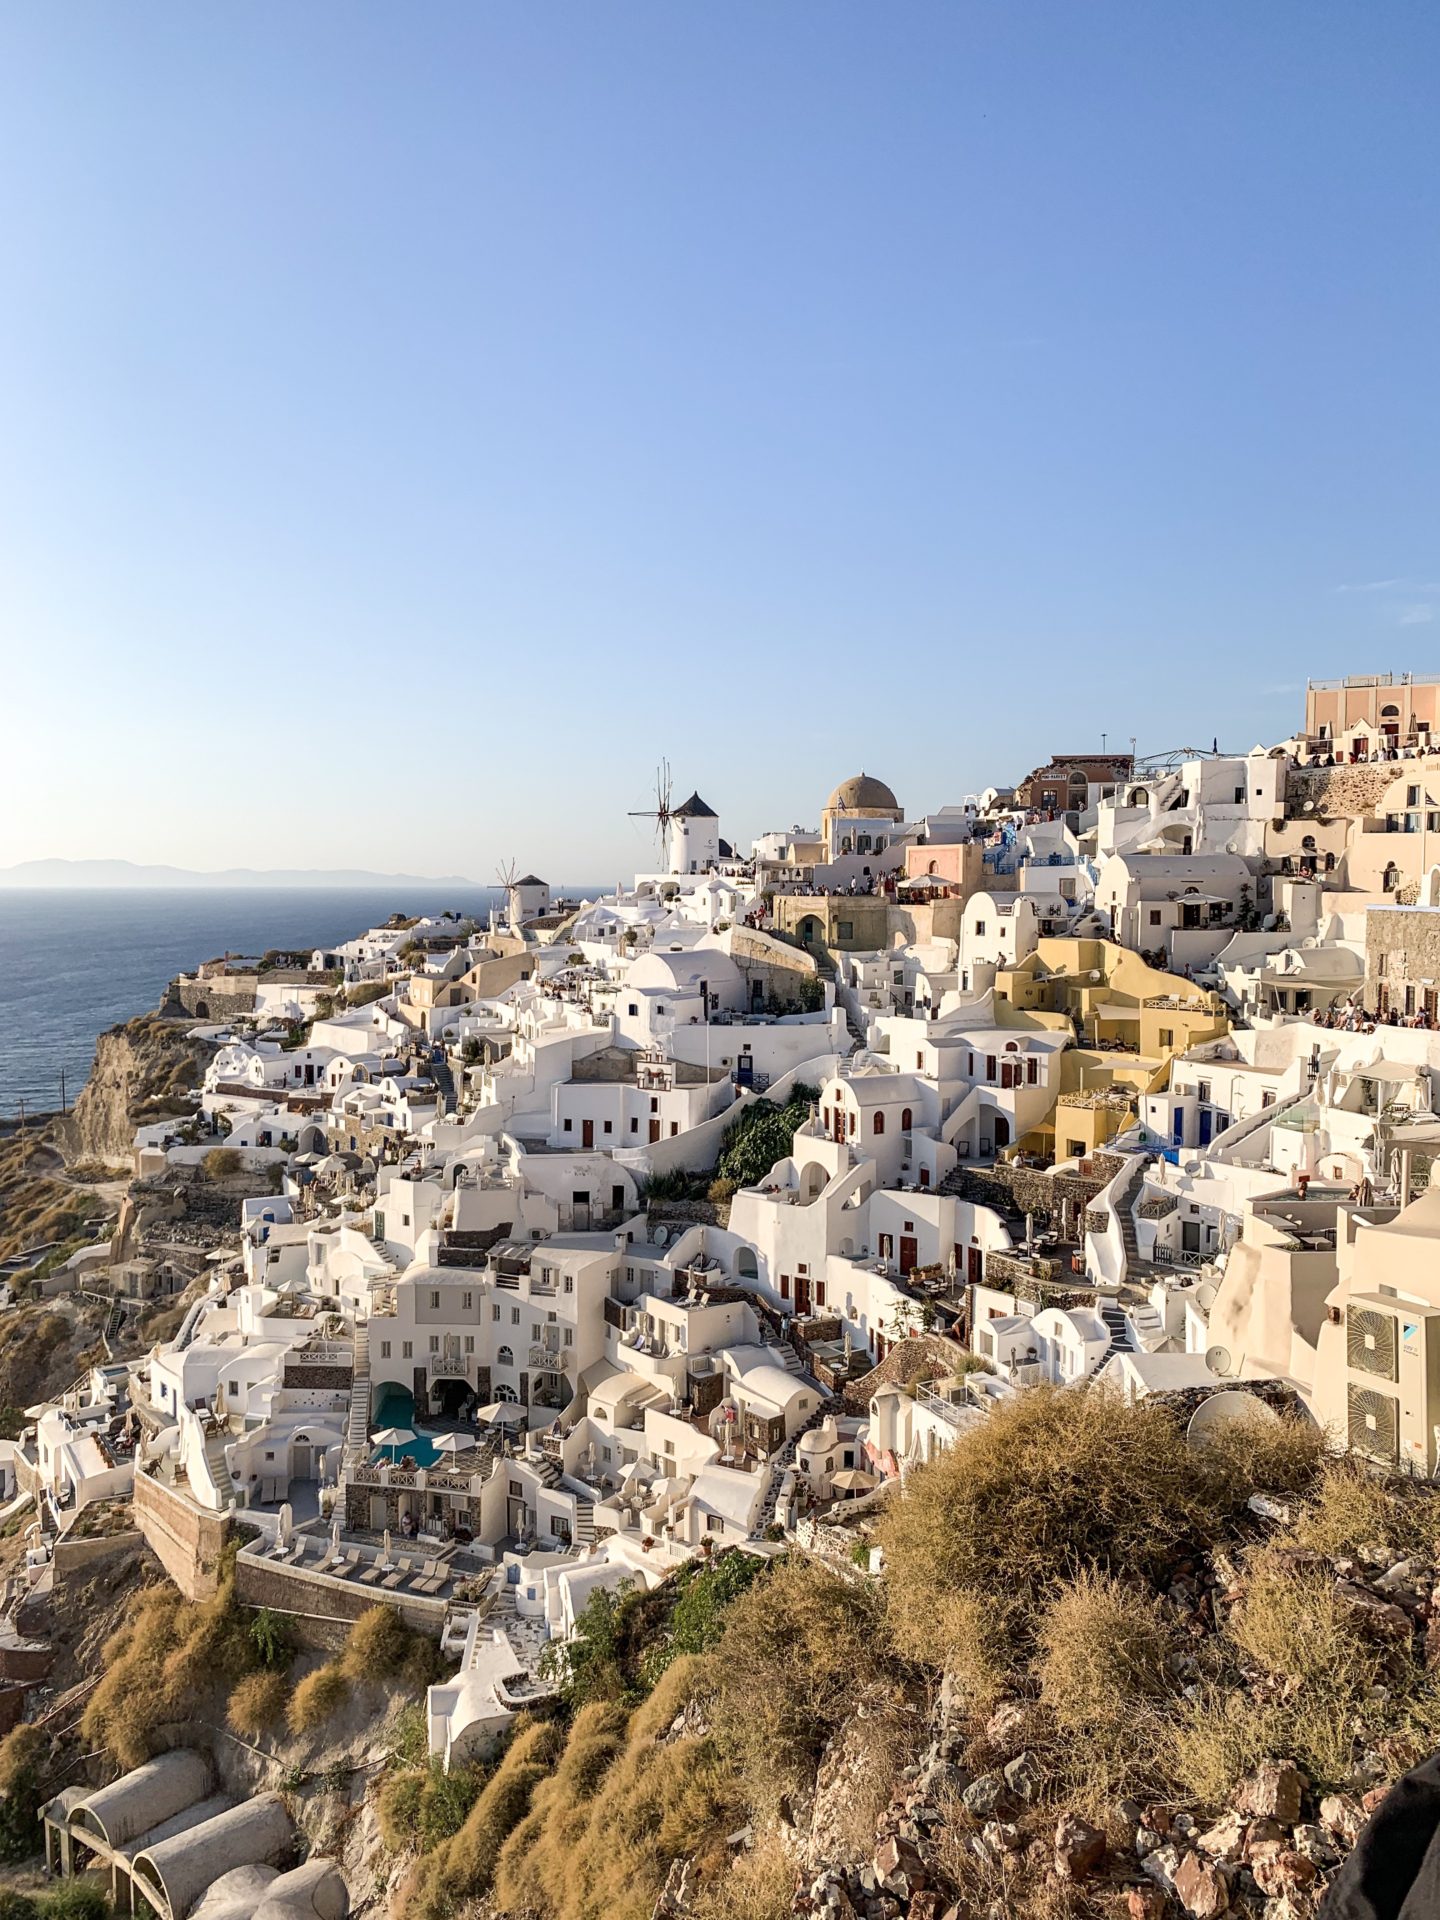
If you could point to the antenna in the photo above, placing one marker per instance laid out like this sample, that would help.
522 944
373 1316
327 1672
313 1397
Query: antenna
660 812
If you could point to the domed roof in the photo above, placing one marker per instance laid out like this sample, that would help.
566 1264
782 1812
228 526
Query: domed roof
862 791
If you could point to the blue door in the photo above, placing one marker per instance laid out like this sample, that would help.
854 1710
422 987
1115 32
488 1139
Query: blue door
1207 1125
1179 1135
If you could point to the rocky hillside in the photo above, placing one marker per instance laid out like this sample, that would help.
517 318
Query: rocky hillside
1100 1675
142 1072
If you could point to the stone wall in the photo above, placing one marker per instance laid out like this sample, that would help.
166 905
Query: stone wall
1341 792
71 1555
1402 949
187 1540
322 1610
336 1379
226 998
927 1356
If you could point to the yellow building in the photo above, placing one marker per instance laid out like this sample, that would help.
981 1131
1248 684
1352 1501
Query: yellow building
1130 1021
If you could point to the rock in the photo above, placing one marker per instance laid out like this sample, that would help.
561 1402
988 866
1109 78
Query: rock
1316 1844
924 1906
1226 1839
1144 1903
1284 1872
1001 1836
1340 1812
894 1857
1079 1847
1022 1777
1380 1616
1159 1866
1147 1841
1273 1792
1260 1833
1395 1578
1005 1724
1268 1509
983 1795
1157 1818
1371 1800
1201 1887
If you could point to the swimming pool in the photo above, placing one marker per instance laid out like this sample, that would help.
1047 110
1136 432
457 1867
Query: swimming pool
395 1407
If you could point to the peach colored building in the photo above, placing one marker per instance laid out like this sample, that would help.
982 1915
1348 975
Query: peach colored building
958 864
1402 708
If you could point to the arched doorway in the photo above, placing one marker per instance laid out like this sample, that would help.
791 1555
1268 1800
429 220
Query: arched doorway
1002 1132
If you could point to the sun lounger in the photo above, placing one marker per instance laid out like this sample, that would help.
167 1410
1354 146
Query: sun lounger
401 1573
345 1565
373 1572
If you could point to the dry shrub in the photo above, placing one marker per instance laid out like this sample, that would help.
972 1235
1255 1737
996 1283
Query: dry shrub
760 1885
464 1866
257 1702
1051 1483
169 1654
423 1806
318 1695
802 1650
1309 1669
1258 1454
1103 1644
22 1753
665 1793
1355 1507
378 1646
397 1808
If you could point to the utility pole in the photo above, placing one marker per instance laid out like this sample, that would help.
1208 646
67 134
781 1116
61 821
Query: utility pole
63 1107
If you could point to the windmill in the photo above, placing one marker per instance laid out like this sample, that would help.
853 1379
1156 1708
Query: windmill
505 873
660 812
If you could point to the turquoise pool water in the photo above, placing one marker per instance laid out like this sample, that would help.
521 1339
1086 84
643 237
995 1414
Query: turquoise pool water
395 1407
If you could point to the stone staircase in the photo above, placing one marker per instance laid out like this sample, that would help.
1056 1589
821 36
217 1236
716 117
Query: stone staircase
584 1523
1124 1205
357 1425
1120 1341
218 1465
784 1459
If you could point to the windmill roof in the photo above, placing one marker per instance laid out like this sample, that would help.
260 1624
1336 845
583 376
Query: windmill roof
694 808
531 880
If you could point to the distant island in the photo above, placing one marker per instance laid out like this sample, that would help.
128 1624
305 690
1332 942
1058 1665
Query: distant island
126 873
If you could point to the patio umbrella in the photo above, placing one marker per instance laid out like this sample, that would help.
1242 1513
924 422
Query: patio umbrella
385 1560
452 1443
853 1480
392 1438
286 1524
335 1538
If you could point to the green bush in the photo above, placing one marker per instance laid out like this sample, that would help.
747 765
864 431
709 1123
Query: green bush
17 1906
76 1900
763 1134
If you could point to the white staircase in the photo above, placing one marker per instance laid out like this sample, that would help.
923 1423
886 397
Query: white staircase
357 1428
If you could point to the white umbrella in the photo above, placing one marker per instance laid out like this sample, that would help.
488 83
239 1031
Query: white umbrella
335 1538
452 1443
853 1480
385 1559
392 1437
287 1522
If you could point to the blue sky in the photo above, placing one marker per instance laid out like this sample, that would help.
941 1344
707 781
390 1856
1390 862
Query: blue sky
415 421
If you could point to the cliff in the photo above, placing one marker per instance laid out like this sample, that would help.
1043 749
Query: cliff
142 1072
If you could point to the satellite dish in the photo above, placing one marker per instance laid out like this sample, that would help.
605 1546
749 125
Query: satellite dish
1309 806
662 1234
1227 1409
1231 847
1205 1298
1218 1360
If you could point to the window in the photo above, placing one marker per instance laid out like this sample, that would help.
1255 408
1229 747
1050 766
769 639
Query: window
989 1066
569 1126
1167 1036
979 929
633 1008
1154 916
514 1316
434 1299
878 1125
407 1350
1412 796
846 930
1032 1071
819 1296
674 1128
713 1523
495 1311
905 1119
469 1343
634 1124
569 1283
384 1349
505 1357
609 1126
654 1104
434 1343
1075 1149
1202 1092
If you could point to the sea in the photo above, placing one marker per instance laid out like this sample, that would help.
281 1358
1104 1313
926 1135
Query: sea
73 963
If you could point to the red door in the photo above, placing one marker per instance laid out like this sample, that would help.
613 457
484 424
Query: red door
802 1293
976 1269
587 1133
909 1254
654 1131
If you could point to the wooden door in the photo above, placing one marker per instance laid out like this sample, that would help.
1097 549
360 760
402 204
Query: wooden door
587 1133
975 1265
654 1131
802 1293
909 1253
